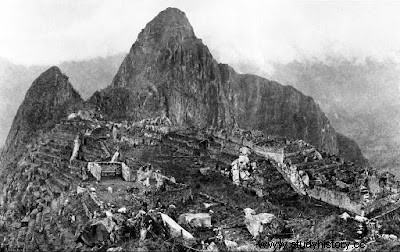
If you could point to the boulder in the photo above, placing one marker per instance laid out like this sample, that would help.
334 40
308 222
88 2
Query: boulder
262 224
71 116
109 189
114 249
80 190
344 216
231 245
212 247
175 229
195 219
360 218
245 151
109 214
208 205
205 171
122 210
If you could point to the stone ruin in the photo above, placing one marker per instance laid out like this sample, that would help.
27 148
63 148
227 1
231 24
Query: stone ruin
276 162
107 169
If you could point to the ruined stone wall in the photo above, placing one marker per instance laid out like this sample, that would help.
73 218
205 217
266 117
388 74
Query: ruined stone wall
274 153
225 148
178 195
291 175
95 170
127 174
374 187
335 198
382 203
235 139
231 148
248 143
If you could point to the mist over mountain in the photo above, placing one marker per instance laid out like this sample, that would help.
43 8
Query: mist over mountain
361 99
86 76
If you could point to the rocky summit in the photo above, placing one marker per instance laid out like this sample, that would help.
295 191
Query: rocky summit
181 153
169 71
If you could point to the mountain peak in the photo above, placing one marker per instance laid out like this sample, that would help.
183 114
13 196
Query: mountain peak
172 13
49 82
46 101
169 23
52 72
53 69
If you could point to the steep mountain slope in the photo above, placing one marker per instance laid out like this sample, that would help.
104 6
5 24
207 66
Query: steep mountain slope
169 71
45 103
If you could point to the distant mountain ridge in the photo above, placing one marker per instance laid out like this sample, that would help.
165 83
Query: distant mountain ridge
361 100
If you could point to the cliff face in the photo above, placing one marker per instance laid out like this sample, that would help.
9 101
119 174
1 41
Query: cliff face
280 110
169 71
349 149
44 104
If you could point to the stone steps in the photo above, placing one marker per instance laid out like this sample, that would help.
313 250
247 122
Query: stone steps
44 171
62 139
62 153
46 216
68 176
43 156
21 238
53 186
38 221
78 163
49 165
86 209
55 145
64 133
275 184
74 168
29 234
65 185
51 194
65 127
91 204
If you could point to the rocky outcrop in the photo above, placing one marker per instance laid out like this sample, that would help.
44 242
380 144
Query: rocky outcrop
45 103
170 72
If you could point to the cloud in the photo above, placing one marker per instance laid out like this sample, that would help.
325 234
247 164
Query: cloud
254 32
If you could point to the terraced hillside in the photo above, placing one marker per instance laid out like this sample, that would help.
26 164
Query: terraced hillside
39 197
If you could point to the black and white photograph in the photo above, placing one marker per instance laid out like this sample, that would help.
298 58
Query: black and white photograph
199 126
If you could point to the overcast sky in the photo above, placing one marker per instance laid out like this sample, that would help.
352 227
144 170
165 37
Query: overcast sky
251 32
